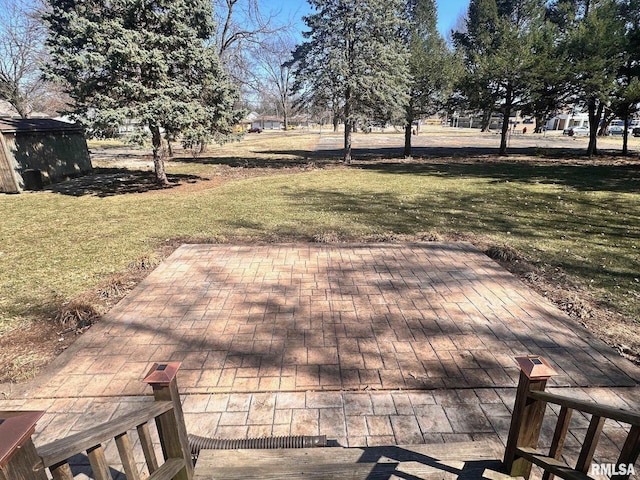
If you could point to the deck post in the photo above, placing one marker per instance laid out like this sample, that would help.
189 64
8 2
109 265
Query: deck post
171 426
18 457
526 420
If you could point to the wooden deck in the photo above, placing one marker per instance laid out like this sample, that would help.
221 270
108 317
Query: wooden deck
21 460
465 460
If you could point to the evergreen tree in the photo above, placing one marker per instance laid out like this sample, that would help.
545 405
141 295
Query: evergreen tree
354 58
593 31
321 93
148 60
550 78
497 48
627 94
476 44
431 65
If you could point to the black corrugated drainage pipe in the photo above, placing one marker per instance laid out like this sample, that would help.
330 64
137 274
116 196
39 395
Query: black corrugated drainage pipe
198 443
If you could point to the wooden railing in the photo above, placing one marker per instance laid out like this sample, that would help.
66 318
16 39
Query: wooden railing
20 460
526 423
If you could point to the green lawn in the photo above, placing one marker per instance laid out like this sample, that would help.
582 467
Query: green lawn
584 219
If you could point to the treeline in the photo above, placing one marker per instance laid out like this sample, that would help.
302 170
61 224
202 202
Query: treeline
180 68
538 56
384 60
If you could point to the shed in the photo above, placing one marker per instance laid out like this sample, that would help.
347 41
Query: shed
268 122
37 151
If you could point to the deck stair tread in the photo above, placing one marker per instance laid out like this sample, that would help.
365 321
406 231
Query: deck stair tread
554 466
464 460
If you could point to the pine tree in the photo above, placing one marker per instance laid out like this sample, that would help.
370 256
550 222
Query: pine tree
432 66
627 94
148 60
497 48
550 77
354 58
593 32
475 46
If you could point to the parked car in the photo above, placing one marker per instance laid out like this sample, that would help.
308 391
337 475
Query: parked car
255 130
616 130
576 131
579 132
636 132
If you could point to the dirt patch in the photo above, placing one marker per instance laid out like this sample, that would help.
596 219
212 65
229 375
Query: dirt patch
28 348
105 182
31 346
126 179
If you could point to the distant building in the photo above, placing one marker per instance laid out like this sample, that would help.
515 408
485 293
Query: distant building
568 120
39 151
474 120
245 123
268 122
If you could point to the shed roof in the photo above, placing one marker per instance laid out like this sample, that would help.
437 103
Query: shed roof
268 118
14 125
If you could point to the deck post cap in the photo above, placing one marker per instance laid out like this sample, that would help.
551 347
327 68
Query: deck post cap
16 427
535 367
162 373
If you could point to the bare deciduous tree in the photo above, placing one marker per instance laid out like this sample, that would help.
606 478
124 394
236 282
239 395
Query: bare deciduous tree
244 31
272 72
22 52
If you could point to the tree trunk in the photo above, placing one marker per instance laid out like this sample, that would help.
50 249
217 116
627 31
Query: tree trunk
22 110
16 99
625 133
158 156
486 120
602 130
595 113
336 122
539 124
347 141
505 122
504 132
169 149
348 125
407 139
285 117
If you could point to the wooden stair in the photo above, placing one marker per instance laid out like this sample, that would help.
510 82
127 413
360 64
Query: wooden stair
465 460
552 465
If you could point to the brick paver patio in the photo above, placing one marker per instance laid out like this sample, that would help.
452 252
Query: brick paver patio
367 344
314 317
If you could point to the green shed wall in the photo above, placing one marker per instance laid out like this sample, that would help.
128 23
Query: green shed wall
58 155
